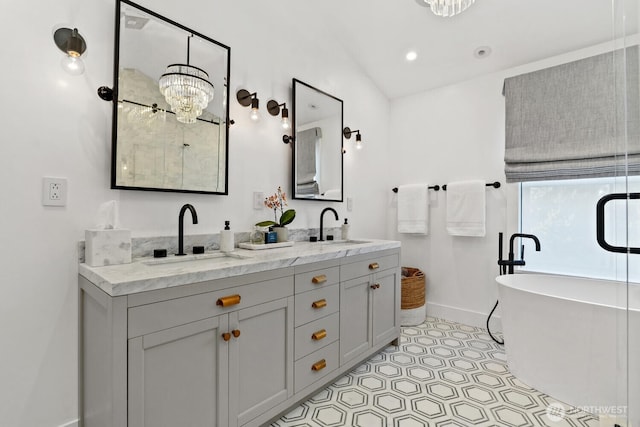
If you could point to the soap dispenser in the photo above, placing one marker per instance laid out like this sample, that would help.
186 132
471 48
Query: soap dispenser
345 230
226 238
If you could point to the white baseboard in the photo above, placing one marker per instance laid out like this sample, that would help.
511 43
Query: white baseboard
74 423
468 317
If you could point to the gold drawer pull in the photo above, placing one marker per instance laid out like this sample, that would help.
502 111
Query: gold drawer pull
375 286
228 301
374 266
235 333
318 366
226 336
317 336
319 279
319 304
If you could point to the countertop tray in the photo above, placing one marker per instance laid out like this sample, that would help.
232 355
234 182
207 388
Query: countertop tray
259 247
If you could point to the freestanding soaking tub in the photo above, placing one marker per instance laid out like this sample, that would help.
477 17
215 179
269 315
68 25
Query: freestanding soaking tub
567 337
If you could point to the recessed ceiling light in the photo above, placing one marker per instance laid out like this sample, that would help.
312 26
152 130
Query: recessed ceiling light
411 55
482 52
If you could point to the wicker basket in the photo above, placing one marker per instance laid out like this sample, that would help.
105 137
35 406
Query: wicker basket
413 288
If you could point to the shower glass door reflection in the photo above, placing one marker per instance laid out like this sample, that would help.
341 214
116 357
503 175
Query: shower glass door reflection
625 221
593 137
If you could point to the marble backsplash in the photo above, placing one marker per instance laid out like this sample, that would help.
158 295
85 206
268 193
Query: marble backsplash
144 246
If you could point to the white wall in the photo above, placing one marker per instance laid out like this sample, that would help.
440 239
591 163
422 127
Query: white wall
444 135
55 125
449 134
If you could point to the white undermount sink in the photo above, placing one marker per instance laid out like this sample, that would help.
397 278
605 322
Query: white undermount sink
344 242
212 256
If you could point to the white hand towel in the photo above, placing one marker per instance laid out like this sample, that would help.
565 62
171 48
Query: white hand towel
466 208
413 209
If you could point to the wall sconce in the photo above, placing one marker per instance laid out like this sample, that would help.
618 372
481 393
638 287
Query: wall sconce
245 98
347 134
287 139
274 109
73 45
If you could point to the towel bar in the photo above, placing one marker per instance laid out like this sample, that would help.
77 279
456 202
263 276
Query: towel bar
433 187
491 184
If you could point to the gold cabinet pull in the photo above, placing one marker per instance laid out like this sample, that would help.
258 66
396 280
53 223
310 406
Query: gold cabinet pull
374 266
319 304
226 336
317 336
235 333
319 279
320 365
228 301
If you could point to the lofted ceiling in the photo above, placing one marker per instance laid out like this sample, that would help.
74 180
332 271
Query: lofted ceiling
378 33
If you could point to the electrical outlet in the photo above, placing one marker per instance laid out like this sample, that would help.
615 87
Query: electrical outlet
258 200
349 204
54 191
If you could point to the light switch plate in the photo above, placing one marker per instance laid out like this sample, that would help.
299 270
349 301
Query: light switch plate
349 204
54 191
258 200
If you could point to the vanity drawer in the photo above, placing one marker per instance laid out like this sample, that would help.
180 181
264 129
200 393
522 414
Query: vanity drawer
315 366
368 266
313 305
316 279
162 315
316 334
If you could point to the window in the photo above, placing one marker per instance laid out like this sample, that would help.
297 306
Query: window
562 214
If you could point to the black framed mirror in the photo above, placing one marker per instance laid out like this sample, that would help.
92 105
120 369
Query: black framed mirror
171 106
317 150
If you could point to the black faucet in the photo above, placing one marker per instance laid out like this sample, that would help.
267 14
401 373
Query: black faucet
194 217
322 220
511 262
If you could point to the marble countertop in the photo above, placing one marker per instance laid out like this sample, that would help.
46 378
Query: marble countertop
143 275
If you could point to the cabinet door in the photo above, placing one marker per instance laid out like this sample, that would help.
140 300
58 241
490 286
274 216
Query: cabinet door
260 359
386 314
178 376
355 318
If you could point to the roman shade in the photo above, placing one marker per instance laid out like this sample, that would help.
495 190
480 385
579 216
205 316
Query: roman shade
575 120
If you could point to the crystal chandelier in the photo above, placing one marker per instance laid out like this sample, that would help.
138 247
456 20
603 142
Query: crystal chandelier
186 89
447 8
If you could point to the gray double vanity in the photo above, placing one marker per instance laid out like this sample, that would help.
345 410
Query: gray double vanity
231 339
223 339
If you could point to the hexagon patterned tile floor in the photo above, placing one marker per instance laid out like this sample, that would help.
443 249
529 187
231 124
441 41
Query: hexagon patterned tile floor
443 374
